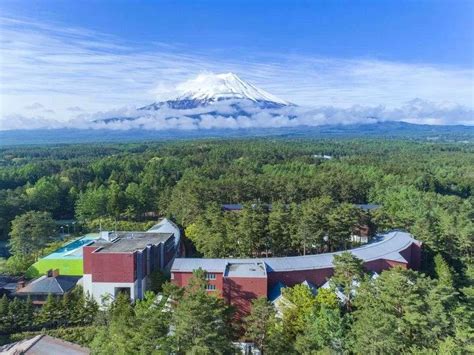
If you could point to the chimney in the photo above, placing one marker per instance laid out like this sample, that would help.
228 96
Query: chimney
106 235
20 284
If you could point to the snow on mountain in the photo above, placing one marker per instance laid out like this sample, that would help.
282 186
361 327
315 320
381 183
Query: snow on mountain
208 89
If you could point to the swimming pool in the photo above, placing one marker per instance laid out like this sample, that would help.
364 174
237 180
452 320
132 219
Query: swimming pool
73 249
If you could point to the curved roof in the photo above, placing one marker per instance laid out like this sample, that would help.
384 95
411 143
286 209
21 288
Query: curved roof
387 247
167 226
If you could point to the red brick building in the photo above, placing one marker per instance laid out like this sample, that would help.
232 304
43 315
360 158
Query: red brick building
239 281
123 261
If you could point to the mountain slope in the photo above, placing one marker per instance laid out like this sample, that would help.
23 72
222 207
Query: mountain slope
208 89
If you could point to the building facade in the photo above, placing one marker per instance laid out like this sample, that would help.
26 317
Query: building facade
121 262
239 281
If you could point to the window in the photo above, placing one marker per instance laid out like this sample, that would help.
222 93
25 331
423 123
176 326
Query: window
172 276
122 290
210 287
210 276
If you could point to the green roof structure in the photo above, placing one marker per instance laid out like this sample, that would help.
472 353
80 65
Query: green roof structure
67 259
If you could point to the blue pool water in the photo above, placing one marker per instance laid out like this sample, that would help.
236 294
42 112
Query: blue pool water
73 249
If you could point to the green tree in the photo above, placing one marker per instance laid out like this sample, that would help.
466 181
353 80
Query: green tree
119 335
260 323
201 321
348 271
49 315
324 330
31 232
5 319
300 303
252 236
209 233
279 233
45 195
400 310
342 221
313 225
326 298
92 203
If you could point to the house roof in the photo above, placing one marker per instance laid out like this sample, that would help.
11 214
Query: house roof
167 226
43 345
386 247
246 269
129 242
56 285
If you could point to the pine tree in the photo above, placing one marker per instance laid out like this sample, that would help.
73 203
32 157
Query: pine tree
48 316
29 312
400 310
5 320
65 309
300 303
260 322
312 226
324 330
348 270
279 229
342 221
119 335
201 321
90 310
17 314
252 230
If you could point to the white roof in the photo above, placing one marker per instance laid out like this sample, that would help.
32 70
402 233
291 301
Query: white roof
387 247
166 226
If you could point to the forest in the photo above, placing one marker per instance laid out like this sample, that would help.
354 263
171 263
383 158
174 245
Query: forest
299 196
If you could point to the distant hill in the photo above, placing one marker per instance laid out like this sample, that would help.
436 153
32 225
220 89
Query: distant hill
388 129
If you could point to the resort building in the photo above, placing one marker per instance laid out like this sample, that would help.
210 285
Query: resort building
67 259
239 281
123 261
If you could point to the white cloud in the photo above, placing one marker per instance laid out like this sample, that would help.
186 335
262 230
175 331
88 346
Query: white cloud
34 106
74 109
76 72
415 111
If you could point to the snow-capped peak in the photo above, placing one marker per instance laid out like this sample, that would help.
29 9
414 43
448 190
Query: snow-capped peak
215 87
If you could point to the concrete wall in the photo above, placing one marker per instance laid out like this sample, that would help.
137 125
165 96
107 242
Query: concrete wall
100 289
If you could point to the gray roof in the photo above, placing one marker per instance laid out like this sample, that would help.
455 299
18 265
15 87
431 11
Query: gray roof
45 285
387 246
43 345
246 269
129 242
167 226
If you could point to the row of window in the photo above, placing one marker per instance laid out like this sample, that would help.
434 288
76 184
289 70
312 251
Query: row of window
210 276
210 287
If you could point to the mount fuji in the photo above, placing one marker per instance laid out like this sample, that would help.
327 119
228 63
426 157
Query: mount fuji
224 95
208 89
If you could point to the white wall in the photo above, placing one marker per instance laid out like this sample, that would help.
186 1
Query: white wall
100 289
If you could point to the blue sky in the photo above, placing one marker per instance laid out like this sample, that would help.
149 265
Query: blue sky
63 58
